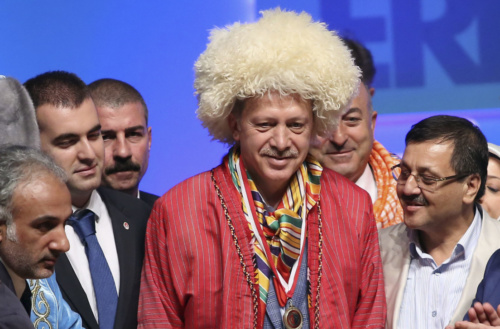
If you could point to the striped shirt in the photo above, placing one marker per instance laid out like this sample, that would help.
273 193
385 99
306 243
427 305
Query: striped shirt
432 292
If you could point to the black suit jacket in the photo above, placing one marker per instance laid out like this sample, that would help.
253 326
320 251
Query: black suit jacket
148 198
14 313
130 248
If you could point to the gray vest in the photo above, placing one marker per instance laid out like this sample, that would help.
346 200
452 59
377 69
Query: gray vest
273 318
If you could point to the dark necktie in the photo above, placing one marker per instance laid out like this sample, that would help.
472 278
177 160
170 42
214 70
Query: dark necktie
83 222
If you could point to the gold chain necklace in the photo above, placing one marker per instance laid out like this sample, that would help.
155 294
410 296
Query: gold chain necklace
255 299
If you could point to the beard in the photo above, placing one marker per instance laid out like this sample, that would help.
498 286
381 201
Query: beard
21 262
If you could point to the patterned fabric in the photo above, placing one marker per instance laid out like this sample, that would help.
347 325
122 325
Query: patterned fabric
48 308
193 276
281 228
387 209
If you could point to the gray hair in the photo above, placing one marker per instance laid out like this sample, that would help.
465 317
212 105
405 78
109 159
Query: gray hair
21 164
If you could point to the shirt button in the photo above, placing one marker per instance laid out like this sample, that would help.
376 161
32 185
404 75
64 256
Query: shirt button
434 313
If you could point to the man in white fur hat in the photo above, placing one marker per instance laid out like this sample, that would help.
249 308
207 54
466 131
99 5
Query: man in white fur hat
268 239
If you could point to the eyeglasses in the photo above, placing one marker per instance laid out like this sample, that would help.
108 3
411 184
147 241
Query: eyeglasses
424 182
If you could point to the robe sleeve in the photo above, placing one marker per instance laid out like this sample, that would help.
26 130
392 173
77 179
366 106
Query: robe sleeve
159 306
371 307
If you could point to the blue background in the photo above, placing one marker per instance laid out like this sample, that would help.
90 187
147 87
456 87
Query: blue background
432 56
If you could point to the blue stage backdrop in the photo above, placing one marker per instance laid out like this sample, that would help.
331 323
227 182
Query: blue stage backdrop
432 56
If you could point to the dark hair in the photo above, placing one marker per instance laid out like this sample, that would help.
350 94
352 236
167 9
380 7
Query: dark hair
115 93
470 149
363 59
57 88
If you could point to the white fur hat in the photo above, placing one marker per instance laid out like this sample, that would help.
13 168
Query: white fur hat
17 115
494 149
283 51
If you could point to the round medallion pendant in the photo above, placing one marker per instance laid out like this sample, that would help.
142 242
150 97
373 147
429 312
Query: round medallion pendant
293 318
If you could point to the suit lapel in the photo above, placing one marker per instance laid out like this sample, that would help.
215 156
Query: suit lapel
73 291
396 261
126 249
487 244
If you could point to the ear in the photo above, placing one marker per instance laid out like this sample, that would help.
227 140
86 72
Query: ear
234 126
150 131
3 231
371 91
374 120
473 183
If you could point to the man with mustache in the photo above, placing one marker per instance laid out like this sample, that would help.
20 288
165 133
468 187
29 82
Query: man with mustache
267 239
352 150
123 115
34 206
434 261
99 276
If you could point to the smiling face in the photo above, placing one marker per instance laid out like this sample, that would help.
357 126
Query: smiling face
37 237
72 137
348 148
127 141
433 211
491 199
273 133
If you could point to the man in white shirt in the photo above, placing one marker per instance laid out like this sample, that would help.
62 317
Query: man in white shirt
351 149
100 275
434 261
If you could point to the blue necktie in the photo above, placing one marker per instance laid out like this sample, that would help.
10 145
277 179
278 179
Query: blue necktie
83 223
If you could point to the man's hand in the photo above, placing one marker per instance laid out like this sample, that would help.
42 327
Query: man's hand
481 316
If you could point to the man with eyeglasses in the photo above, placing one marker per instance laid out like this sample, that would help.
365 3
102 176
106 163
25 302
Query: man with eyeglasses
434 261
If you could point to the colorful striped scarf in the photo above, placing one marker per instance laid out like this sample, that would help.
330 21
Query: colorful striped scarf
281 228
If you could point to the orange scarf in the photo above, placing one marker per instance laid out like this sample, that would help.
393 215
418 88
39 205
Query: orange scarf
387 209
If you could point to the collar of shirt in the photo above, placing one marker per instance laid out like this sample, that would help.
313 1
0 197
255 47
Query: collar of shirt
464 248
95 204
367 182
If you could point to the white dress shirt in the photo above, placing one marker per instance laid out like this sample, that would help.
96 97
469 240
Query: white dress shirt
78 258
432 292
367 182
